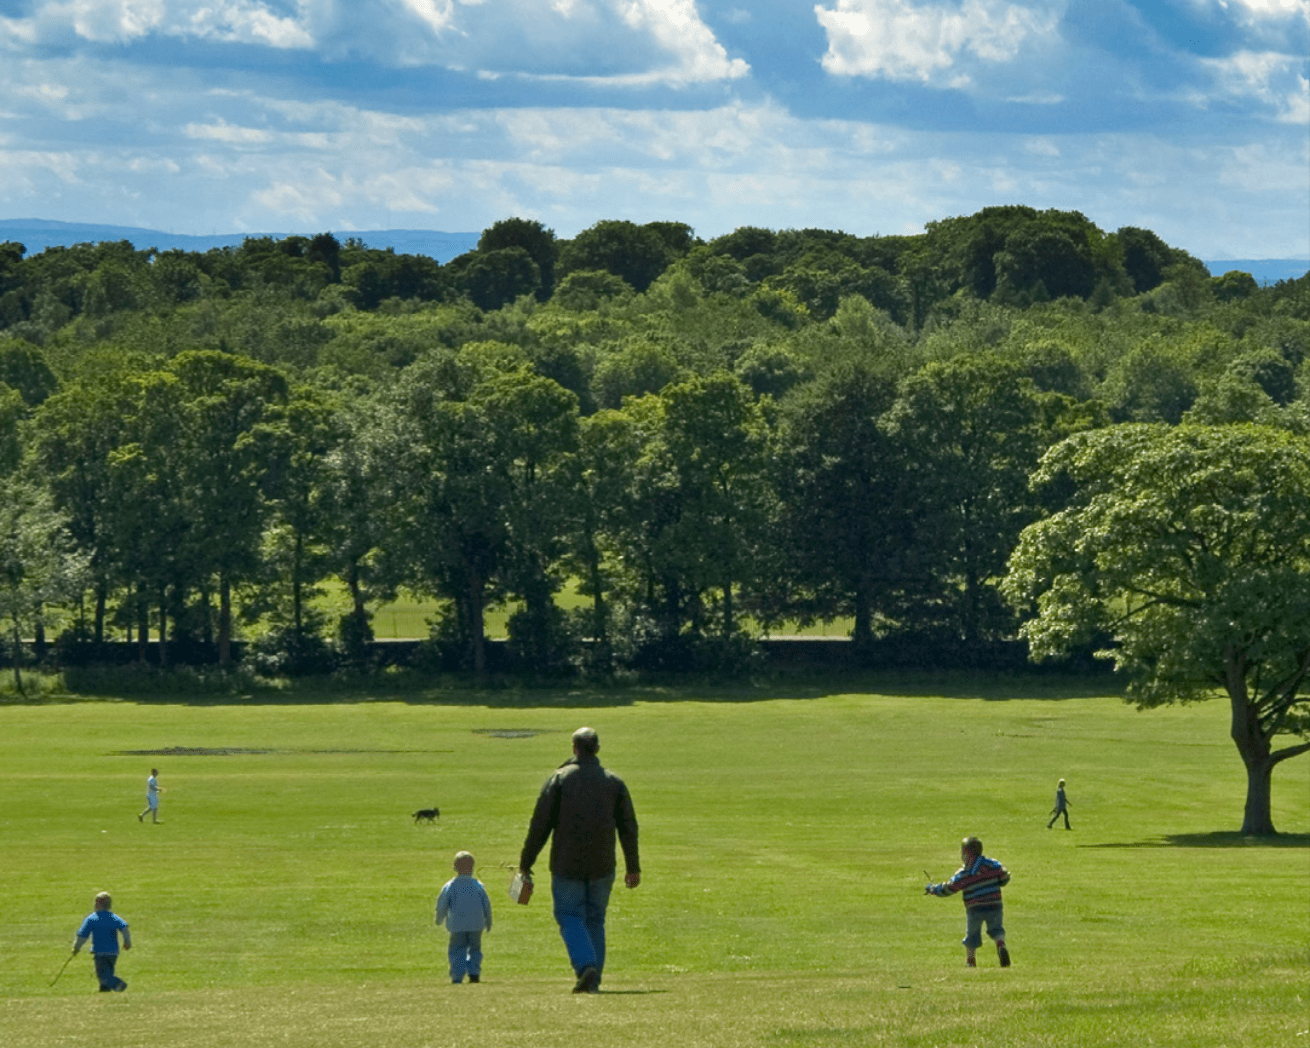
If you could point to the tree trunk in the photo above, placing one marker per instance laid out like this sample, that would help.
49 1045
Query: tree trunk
224 622
862 633
296 598
142 628
1253 745
477 626
728 620
1257 820
356 593
101 600
18 658
163 628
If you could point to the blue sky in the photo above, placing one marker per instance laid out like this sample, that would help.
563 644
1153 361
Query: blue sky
1189 117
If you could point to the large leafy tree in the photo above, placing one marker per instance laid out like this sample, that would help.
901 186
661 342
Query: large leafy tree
696 509
968 432
1189 547
188 480
40 567
843 533
479 442
636 253
74 433
534 238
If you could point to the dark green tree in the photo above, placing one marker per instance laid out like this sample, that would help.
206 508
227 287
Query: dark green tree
534 238
637 254
968 433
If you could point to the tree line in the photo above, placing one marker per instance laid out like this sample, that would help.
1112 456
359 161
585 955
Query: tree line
706 439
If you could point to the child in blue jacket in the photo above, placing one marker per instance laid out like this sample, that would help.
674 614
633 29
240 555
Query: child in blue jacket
103 927
465 909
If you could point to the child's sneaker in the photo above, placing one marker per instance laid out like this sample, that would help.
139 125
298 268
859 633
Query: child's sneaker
1003 954
971 963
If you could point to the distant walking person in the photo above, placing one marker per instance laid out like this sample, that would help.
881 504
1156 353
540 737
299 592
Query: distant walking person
584 806
1061 807
152 797
465 910
103 927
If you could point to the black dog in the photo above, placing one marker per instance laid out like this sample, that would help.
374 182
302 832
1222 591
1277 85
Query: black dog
426 814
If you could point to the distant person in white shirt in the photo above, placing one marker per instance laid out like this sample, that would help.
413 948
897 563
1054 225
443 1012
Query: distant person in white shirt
153 789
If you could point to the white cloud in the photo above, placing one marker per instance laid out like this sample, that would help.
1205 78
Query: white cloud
903 40
435 14
1272 7
635 42
123 21
677 27
1272 79
222 131
624 42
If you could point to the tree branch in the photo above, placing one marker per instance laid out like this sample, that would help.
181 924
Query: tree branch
1291 751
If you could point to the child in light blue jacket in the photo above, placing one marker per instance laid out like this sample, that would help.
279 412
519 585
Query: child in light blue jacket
465 909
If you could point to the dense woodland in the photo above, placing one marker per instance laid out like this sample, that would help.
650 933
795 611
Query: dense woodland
706 439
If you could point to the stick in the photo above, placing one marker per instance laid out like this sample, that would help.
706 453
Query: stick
62 967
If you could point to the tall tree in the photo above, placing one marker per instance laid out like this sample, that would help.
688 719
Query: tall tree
698 507
968 431
838 484
478 438
534 238
1189 548
40 566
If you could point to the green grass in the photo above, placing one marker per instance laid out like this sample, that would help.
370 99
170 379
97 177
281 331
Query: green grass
287 897
409 618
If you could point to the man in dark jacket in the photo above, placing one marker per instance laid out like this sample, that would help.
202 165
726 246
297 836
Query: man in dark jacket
584 807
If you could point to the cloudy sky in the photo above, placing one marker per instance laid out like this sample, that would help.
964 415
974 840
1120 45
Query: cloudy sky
1189 117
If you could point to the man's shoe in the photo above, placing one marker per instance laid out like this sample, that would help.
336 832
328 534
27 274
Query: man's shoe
475 978
588 981
120 987
1004 955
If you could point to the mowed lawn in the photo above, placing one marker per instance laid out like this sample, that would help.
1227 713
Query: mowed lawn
287 896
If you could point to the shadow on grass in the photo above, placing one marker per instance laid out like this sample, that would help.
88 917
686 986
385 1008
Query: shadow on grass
1218 839
212 687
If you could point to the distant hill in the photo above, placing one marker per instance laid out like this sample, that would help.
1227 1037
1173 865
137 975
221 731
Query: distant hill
1265 270
37 234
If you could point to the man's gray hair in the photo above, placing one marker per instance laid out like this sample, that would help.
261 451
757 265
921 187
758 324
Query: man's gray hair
586 740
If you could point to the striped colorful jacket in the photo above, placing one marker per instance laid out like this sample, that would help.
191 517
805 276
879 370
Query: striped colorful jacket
980 881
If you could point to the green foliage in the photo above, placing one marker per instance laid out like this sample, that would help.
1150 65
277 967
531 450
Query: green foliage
229 432
41 568
533 238
1187 547
637 254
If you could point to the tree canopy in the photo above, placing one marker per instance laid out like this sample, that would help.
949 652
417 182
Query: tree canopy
1189 550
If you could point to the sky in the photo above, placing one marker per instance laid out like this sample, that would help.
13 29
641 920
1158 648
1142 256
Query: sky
1187 117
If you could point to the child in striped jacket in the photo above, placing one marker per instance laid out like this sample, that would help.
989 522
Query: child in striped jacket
981 880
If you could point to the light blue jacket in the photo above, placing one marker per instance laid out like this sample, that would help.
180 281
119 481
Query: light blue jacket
463 905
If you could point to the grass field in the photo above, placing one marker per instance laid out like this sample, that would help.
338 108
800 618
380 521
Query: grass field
286 898
409 618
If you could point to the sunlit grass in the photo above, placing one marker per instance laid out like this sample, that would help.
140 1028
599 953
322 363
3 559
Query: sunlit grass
286 898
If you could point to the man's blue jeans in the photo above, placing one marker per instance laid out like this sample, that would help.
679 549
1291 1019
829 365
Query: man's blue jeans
580 913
